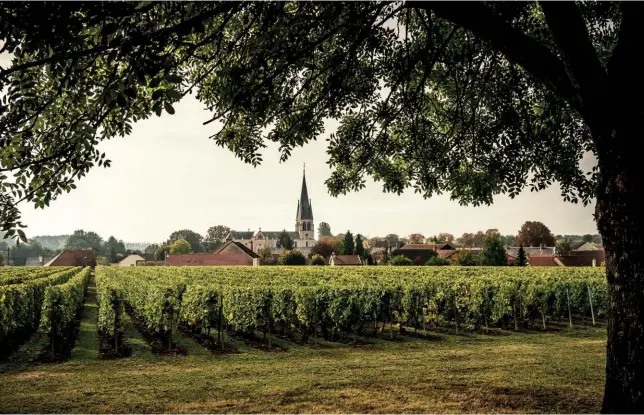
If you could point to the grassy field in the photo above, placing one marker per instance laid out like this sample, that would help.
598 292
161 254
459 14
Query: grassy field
558 371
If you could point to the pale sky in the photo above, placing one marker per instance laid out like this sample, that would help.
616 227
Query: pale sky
167 175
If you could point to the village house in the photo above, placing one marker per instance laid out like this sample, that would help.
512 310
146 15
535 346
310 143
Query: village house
231 253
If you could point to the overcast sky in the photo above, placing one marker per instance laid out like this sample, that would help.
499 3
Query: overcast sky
168 176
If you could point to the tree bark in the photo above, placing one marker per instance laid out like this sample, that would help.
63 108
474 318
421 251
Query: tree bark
619 217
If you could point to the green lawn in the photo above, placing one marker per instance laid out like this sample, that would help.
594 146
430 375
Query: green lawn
513 372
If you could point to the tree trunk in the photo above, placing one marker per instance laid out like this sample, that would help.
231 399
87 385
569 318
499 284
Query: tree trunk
619 217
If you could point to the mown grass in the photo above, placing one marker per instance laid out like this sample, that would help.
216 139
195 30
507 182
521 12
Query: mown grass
514 372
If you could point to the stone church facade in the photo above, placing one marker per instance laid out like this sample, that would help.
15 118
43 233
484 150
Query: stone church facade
303 236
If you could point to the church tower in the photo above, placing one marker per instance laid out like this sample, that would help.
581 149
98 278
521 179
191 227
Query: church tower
304 217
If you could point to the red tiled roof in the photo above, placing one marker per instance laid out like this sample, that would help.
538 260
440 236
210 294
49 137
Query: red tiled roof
583 258
446 253
73 258
542 261
346 260
433 247
207 259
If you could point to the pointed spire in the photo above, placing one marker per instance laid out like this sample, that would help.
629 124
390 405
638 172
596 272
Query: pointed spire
304 211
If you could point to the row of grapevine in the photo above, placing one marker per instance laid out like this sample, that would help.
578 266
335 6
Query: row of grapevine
334 300
17 275
21 304
61 305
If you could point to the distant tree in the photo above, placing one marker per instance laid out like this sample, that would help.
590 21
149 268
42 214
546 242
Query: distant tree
400 260
3 246
535 234
392 239
478 239
317 260
437 260
285 241
359 248
562 247
416 238
83 240
522 261
112 248
467 239
493 253
446 237
215 237
493 231
465 257
193 238
180 246
151 249
349 245
597 239
324 229
161 251
265 255
509 240
292 257
323 247
587 238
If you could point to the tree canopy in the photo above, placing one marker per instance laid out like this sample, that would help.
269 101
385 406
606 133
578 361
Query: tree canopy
285 241
215 237
324 229
535 234
83 240
193 238
473 101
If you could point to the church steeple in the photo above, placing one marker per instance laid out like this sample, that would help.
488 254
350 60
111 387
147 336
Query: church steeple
304 218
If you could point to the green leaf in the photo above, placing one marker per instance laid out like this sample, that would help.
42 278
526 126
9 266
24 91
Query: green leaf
168 108
22 235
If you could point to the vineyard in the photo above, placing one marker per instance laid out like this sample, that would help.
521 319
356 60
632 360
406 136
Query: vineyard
43 299
340 304
424 331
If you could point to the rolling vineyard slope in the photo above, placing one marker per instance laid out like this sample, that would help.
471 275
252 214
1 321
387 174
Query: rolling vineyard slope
331 301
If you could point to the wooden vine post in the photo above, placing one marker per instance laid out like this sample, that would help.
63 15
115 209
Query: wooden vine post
220 337
116 325
590 300
569 312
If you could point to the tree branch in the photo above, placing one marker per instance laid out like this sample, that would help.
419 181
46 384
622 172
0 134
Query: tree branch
571 36
624 70
515 45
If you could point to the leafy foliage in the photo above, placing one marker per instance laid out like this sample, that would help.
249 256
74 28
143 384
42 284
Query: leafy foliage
521 261
466 257
416 238
535 234
83 240
323 247
265 255
180 246
61 304
349 245
493 253
292 257
22 292
317 260
285 241
437 260
193 238
215 237
400 260
324 229
359 248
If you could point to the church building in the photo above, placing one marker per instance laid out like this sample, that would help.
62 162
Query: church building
303 236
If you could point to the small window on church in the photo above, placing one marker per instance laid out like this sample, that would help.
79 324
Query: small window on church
307 244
